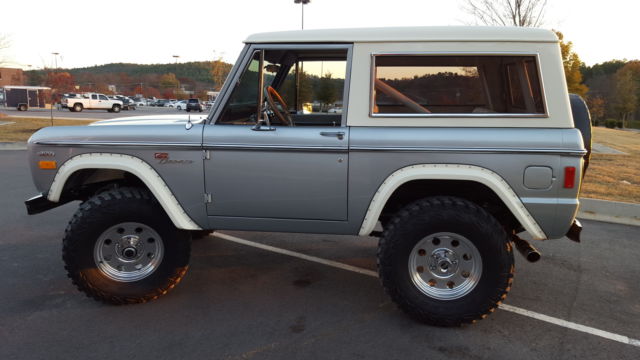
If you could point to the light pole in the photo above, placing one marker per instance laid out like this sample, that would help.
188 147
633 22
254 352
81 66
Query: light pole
302 4
176 57
55 59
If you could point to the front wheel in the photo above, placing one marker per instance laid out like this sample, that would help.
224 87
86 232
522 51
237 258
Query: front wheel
120 247
445 261
115 108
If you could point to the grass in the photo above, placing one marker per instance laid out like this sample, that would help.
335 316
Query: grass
22 129
604 179
606 173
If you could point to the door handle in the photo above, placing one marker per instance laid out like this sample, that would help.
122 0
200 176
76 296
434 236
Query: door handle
338 134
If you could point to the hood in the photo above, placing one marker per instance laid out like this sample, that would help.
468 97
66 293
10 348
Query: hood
152 120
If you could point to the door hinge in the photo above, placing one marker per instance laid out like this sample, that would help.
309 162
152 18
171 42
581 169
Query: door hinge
206 155
207 198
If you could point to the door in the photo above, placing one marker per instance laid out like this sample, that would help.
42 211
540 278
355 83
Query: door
33 98
271 160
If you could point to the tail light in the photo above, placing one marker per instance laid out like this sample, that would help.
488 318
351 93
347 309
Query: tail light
569 177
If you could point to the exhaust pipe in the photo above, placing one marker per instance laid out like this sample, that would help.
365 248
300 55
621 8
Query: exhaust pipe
527 250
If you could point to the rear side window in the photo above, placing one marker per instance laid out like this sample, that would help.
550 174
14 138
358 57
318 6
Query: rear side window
425 85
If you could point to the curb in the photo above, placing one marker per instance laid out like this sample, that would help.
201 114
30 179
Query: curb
13 146
609 211
54 118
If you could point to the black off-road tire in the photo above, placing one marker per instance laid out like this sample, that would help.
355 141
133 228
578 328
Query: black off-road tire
106 210
436 215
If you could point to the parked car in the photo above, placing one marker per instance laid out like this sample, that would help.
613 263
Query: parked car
92 101
194 105
127 103
446 168
180 105
161 102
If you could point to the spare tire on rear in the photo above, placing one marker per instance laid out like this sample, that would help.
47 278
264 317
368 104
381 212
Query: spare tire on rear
582 122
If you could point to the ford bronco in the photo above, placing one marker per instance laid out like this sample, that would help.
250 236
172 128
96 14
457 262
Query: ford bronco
451 142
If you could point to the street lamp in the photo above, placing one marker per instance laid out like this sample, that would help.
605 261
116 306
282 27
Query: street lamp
176 57
302 4
55 59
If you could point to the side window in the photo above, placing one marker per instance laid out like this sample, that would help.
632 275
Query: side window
94 97
426 84
102 97
308 82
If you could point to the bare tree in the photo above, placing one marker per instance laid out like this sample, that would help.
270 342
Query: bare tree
4 44
526 13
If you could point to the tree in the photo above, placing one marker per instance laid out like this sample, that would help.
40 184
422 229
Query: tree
597 108
572 64
525 13
60 82
4 44
168 81
327 92
627 91
219 72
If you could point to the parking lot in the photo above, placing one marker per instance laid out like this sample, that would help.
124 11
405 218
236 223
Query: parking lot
91 114
287 296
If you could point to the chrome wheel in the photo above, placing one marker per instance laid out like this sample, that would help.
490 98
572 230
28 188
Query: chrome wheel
445 266
128 252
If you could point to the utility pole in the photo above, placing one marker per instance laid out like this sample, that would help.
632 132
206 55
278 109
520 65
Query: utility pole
302 4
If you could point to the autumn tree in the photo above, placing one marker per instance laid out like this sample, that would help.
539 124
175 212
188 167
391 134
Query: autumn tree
168 81
627 91
60 82
526 13
571 62
219 71
597 108
4 45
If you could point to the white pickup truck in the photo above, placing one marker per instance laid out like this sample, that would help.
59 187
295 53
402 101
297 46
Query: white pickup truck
92 101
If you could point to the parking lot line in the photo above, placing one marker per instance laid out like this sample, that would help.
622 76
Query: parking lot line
524 312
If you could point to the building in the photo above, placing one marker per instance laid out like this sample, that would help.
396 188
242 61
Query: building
9 76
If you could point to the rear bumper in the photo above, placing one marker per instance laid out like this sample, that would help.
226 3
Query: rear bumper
574 231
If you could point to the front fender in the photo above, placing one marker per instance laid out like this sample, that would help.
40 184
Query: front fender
130 164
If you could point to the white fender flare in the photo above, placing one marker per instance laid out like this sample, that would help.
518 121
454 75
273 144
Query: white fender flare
450 172
130 164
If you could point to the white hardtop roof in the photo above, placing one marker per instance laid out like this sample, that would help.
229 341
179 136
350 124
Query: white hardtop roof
396 34
27 87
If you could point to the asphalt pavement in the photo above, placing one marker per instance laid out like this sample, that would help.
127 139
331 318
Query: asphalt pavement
284 296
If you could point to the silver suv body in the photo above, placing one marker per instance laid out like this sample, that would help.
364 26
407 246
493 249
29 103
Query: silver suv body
450 142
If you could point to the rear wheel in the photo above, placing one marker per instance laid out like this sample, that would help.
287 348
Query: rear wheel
77 107
120 248
445 261
22 107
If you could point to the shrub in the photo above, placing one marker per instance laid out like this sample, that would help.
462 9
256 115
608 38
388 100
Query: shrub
610 123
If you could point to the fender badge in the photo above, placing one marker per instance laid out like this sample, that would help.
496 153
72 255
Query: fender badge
46 153
164 159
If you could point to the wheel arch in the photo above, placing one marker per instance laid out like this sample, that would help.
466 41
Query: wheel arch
398 189
104 167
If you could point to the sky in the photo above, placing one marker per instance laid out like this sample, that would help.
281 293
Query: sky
149 32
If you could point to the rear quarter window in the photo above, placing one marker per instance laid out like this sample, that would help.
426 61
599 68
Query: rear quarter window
428 85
